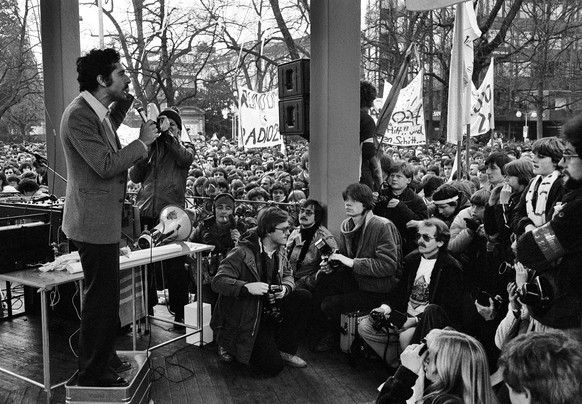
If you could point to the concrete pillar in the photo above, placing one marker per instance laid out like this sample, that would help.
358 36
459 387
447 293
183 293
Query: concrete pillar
60 49
334 152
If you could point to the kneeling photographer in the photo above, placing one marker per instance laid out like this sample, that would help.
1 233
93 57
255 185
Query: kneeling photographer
259 316
428 297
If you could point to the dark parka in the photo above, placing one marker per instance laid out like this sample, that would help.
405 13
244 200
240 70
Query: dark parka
237 315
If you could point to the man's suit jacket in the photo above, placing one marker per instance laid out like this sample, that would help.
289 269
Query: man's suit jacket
97 173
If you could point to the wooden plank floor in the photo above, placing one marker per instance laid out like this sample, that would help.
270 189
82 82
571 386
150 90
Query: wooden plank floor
183 373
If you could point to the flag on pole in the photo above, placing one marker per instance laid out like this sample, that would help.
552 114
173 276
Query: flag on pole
386 112
461 69
482 110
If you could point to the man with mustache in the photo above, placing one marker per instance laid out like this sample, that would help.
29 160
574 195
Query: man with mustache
97 176
304 256
428 294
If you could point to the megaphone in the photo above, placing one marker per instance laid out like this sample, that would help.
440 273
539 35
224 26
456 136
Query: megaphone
175 225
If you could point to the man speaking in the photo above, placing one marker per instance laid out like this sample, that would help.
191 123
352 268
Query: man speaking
97 173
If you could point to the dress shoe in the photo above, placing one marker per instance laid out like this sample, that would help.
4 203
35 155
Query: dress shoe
109 381
223 355
122 367
293 360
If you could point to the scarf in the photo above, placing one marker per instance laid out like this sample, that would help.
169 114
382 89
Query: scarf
537 213
352 233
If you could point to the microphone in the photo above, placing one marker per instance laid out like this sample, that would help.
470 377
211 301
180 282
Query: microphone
38 157
138 107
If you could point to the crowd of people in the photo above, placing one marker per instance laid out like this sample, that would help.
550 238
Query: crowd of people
461 276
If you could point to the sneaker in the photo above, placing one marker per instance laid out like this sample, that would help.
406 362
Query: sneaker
293 360
223 355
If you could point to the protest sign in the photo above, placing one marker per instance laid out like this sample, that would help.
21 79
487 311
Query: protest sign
259 119
406 127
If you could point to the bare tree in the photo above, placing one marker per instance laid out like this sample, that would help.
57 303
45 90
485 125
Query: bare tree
166 48
545 57
19 73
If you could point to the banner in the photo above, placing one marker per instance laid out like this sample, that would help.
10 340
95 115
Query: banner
426 5
406 125
259 119
461 70
482 111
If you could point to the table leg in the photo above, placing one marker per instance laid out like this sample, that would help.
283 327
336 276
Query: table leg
133 309
199 297
147 306
46 365
9 299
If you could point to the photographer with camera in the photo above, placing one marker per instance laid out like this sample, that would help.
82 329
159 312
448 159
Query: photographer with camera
554 250
370 258
305 255
246 320
222 231
428 295
163 182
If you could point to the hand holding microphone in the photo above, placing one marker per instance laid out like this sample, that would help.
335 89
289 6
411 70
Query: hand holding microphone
148 132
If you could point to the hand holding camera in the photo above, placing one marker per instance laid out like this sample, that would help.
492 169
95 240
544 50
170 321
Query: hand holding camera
257 288
413 356
326 252
472 224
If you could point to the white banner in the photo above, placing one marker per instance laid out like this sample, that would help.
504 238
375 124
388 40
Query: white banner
406 127
482 111
465 32
259 119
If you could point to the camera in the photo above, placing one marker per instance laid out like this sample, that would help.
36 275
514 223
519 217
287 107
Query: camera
535 293
380 321
271 308
483 297
163 123
326 251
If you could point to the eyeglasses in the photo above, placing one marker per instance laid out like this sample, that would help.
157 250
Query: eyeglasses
279 166
285 229
425 237
306 212
567 154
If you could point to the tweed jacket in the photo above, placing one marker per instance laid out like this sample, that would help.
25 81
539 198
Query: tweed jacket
96 171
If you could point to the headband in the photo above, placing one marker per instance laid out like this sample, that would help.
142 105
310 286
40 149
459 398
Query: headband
443 201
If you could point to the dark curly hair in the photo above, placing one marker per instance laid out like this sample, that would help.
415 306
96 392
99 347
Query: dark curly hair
98 62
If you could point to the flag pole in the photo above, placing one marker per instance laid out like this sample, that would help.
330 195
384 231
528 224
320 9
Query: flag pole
458 128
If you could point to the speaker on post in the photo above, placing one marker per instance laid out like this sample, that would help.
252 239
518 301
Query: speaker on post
294 98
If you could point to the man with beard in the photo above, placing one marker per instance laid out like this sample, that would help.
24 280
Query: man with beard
304 256
554 250
97 176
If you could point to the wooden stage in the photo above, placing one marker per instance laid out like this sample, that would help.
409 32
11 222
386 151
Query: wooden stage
184 373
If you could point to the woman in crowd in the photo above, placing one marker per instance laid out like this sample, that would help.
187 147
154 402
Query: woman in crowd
455 364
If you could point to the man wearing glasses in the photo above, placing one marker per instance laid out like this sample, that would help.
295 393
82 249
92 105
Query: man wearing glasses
260 316
428 294
554 250
304 256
